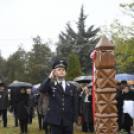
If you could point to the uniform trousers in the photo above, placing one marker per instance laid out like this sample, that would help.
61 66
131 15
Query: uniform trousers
4 115
23 125
61 129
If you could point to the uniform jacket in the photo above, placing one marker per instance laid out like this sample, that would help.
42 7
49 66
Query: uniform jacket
43 103
3 100
62 105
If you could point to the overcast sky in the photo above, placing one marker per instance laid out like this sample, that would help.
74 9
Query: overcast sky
20 20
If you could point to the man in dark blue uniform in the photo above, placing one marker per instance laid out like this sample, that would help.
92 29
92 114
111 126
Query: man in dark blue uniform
62 109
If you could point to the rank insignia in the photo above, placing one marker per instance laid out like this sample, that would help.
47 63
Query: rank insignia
68 84
55 83
54 88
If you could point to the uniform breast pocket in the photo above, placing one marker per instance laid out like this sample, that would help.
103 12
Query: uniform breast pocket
68 97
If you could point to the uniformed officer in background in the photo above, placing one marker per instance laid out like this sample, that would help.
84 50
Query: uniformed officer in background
62 109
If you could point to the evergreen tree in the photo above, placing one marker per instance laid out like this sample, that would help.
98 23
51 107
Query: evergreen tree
38 66
2 67
81 42
73 69
15 66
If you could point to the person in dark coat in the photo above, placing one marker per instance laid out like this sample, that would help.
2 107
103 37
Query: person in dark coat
21 101
86 108
13 104
42 106
62 108
119 88
91 122
127 95
30 104
3 103
79 101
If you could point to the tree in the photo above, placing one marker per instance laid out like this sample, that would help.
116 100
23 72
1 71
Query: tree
81 42
2 67
15 66
127 58
123 41
73 69
128 9
38 67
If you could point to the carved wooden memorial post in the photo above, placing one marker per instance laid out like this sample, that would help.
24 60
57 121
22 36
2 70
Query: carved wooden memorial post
105 105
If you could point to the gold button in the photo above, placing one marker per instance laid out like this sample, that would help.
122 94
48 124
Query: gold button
63 109
62 99
53 95
63 104
63 95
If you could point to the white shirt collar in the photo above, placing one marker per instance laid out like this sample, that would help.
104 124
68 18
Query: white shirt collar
63 84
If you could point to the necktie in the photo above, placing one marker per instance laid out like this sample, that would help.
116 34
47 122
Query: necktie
61 85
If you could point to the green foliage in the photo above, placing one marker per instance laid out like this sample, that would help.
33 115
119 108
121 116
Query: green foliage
123 132
74 68
37 64
15 66
2 68
123 40
32 67
128 9
125 56
81 42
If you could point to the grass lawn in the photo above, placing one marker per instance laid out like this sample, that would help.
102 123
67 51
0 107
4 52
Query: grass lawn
32 129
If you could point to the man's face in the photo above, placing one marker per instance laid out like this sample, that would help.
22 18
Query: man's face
1 88
60 72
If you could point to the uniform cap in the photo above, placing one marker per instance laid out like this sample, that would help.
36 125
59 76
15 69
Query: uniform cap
59 63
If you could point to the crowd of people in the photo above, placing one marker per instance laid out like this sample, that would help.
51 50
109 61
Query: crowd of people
124 93
59 104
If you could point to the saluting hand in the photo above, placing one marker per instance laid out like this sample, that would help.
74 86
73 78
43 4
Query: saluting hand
52 74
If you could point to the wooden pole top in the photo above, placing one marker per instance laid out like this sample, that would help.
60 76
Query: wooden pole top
104 44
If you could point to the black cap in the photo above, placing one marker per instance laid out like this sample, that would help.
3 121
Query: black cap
123 82
60 63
